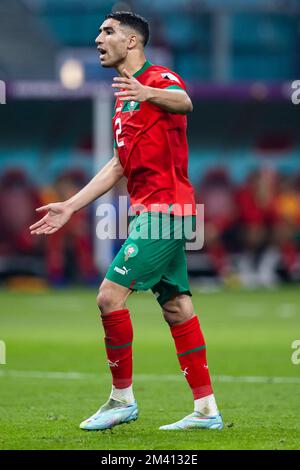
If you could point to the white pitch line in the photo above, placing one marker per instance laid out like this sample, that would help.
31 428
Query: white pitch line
22 374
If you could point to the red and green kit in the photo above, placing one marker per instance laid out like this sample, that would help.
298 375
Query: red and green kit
153 151
152 146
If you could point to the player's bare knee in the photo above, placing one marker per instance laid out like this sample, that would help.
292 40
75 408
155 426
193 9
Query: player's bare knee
177 319
172 321
111 297
107 301
178 310
102 300
171 313
170 310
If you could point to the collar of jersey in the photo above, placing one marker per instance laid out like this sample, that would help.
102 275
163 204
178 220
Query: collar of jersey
146 65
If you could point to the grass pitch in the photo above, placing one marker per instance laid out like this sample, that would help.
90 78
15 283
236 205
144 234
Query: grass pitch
56 373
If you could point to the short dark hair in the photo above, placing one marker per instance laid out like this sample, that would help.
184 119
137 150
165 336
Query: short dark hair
133 20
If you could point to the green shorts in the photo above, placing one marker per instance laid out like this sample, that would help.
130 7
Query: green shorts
153 256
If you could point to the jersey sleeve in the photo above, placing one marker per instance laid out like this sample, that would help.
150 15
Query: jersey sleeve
165 79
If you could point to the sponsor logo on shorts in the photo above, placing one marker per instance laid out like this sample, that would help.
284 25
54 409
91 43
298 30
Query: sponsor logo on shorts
130 251
122 271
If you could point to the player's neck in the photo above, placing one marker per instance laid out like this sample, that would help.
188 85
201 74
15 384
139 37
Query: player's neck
132 65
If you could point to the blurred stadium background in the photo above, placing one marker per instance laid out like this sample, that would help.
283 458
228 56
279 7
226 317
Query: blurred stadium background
238 58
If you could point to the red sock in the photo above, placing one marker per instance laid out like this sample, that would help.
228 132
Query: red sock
118 342
190 348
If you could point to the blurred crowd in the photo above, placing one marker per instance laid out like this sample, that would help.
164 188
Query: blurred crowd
252 229
67 254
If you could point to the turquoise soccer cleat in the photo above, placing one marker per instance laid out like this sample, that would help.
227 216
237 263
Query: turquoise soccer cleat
195 421
111 414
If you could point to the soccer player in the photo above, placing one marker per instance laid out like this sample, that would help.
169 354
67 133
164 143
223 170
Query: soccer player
150 149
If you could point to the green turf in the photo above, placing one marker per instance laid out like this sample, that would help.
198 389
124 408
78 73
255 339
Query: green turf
247 334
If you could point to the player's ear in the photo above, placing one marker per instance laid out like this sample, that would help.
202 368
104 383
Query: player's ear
132 41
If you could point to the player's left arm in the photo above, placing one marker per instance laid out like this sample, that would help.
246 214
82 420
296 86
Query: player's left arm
174 101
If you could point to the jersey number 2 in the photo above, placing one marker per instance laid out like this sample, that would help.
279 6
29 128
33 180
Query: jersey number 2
118 123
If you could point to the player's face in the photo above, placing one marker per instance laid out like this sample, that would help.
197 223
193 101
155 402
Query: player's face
112 43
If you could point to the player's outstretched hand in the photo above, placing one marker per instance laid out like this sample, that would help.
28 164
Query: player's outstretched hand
133 90
57 215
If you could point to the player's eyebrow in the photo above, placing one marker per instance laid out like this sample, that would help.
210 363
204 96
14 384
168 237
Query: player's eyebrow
106 28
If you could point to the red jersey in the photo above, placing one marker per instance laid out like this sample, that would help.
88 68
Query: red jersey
153 149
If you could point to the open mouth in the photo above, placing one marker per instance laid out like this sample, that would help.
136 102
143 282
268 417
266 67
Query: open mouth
102 52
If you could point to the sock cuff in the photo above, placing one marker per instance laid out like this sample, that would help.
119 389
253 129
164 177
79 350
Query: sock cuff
115 317
185 328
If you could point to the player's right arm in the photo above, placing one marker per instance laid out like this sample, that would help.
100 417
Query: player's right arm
59 213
